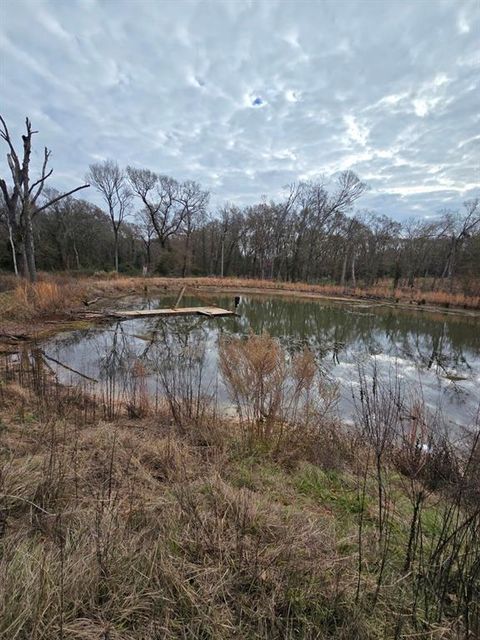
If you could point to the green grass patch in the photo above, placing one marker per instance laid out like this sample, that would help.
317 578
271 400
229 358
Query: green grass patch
331 488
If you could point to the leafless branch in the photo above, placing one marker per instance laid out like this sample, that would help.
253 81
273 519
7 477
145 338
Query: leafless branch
60 197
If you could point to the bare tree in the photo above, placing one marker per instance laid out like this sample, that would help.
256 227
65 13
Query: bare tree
316 216
160 196
66 228
21 200
109 180
193 201
457 229
146 232
352 235
227 228
417 239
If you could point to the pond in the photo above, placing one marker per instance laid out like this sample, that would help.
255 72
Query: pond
434 356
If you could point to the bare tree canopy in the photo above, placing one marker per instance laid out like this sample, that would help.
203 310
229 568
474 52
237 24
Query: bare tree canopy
458 228
169 203
109 180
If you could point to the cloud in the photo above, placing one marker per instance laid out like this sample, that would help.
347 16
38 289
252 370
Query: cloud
246 97
356 131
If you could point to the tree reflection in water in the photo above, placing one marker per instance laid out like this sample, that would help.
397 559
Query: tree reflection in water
178 357
436 353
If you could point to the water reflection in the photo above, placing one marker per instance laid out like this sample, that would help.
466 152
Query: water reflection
438 356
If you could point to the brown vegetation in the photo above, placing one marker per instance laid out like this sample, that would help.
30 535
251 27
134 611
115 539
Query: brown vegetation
47 297
179 524
419 295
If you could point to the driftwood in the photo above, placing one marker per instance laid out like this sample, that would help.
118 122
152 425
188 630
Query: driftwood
87 303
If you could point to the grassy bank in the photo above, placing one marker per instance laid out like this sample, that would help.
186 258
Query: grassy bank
128 519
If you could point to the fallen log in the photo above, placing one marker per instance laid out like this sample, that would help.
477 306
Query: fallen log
15 337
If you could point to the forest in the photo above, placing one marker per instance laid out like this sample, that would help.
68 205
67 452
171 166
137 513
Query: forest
317 232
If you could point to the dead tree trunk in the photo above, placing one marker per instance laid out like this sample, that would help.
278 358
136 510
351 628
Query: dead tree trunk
29 244
12 248
22 198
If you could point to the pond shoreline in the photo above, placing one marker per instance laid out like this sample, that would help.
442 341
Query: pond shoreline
97 295
357 300
268 500
440 350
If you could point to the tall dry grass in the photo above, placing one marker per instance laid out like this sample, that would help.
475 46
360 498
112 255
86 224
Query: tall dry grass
46 297
280 399
131 530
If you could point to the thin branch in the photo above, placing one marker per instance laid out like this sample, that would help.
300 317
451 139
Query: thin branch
41 182
28 124
43 176
65 366
5 134
33 504
60 197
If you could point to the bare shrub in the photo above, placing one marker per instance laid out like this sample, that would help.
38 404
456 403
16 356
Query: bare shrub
379 411
280 400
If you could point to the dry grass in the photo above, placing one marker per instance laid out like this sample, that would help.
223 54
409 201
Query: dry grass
131 531
143 528
46 297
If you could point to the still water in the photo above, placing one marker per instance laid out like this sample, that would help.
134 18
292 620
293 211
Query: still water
435 356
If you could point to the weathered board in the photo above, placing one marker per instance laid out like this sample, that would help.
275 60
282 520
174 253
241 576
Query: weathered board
210 312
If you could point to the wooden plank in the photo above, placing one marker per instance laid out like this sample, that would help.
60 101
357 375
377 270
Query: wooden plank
211 312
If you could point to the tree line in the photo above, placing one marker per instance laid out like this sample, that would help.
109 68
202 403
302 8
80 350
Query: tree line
156 223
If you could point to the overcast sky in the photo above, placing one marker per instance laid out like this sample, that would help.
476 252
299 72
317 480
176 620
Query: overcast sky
248 96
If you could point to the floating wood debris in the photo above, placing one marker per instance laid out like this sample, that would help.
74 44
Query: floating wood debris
209 312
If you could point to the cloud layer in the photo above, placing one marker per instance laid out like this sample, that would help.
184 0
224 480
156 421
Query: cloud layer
246 97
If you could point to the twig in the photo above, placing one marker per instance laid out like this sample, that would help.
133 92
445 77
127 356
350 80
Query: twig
49 513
